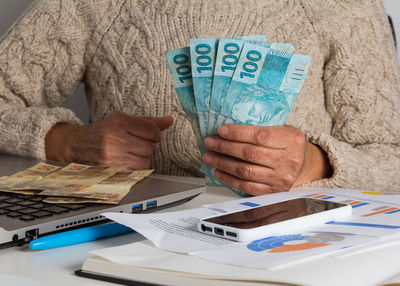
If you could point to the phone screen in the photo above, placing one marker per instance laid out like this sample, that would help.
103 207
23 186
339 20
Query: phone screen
278 212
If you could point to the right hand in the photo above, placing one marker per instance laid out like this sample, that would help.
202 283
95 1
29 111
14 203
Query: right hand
118 140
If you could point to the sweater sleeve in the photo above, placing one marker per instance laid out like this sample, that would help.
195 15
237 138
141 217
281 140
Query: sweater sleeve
43 58
362 93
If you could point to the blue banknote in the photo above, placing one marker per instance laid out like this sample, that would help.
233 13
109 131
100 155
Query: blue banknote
295 77
225 62
223 79
256 95
257 88
228 53
179 65
202 55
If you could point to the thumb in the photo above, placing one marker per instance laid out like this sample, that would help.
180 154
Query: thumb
163 122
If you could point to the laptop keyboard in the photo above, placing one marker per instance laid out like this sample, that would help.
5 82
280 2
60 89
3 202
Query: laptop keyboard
29 208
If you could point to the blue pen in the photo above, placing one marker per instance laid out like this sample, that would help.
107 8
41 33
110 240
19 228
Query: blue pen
78 236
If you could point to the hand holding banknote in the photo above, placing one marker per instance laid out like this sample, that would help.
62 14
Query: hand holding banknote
118 140
245 88
260 159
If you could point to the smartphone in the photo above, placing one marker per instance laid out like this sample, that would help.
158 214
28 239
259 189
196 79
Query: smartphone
262 221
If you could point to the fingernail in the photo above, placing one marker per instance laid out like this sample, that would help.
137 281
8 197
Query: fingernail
207 158
210 142
223 131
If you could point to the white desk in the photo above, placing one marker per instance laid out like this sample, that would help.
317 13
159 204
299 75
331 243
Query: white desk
57 266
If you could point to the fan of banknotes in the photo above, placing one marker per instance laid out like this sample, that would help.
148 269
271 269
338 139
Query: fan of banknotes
74 183
240 80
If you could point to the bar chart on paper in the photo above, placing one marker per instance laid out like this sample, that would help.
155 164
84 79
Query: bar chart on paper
371 216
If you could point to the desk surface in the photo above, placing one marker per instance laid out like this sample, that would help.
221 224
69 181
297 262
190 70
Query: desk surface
57 266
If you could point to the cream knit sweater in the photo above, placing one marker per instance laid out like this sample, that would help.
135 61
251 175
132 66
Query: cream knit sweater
349 104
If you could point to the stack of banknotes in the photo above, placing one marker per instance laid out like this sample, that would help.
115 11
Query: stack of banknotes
239 80
74 183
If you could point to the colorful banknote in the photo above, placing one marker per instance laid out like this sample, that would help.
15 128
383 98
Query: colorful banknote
223 75
76 200
109 191
22 182
228 53
242 80
75 183
39 170
254 96
82 180
181 70
202 55
68 172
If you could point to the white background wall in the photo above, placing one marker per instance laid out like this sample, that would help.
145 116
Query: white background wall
393 9
10 10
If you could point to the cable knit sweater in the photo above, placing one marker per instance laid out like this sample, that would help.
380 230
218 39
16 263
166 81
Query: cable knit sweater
349 104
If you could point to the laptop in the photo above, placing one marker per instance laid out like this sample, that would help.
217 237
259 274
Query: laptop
24 218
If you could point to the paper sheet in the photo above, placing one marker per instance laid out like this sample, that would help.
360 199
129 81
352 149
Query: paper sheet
374 220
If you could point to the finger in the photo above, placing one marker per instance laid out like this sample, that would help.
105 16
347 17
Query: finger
251 188
244 151
117 148
277 137
129 160
162 122
140 127
126 143
241 169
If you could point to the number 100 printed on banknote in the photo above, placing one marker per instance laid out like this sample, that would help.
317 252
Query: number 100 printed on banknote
240 80
180 67
228 53
202 55
256 95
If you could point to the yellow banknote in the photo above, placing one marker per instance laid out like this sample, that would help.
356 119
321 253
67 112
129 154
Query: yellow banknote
112 189
24 182
77 183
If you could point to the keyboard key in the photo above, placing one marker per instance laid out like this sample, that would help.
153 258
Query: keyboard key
74 206
56 209
3 197
27 218
37 198
40 205
26 203
4 205
28 211
20 196
13 200
41 214
15 208
14 214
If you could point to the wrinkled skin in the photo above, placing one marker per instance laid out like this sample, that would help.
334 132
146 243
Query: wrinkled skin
119 139
260 160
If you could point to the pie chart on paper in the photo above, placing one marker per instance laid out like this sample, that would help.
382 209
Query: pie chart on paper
293 242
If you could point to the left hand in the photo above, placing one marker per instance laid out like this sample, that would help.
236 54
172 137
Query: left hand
260 160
